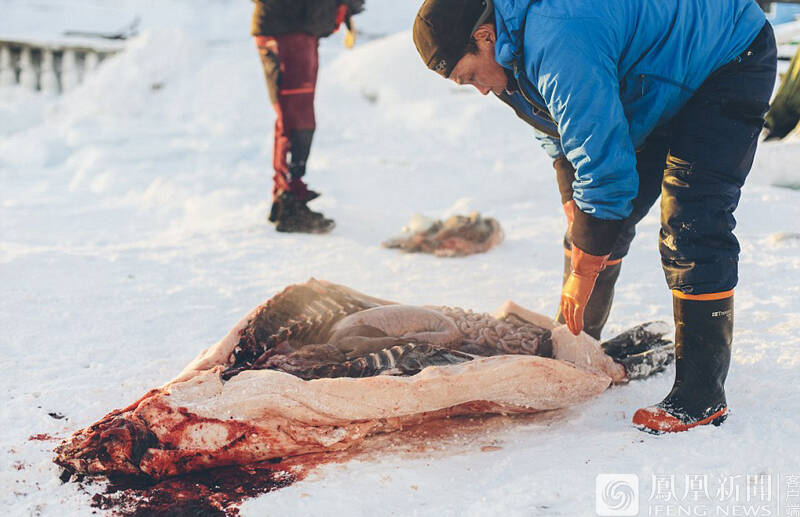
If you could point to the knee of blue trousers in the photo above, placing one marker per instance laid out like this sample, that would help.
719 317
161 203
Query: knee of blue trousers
699 252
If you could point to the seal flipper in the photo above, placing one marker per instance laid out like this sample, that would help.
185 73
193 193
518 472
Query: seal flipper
643 350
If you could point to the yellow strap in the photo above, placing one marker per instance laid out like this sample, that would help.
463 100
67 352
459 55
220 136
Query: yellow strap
704 297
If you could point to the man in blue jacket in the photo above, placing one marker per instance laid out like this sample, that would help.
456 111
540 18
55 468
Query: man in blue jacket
633 99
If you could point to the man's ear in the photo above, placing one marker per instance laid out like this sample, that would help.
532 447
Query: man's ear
486 32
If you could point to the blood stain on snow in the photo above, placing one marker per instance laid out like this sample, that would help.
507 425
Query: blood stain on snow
491 448
208 493
41 437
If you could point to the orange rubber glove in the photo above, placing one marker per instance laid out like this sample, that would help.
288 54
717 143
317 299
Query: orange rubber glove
578 287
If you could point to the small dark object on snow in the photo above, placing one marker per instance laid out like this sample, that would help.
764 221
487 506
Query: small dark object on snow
66 474
57 416
458 236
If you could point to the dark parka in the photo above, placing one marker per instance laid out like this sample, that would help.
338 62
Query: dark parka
315 17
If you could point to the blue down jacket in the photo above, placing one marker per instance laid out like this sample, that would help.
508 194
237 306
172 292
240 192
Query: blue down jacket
609 72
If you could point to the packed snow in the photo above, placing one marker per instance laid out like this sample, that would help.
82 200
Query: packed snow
133 235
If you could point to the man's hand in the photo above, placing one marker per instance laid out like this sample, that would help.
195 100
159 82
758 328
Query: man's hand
578 287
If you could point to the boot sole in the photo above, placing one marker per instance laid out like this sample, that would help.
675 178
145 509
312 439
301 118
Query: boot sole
316 231
716 420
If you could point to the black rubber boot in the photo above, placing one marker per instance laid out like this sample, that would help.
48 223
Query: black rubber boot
703 334
283 199
599 307
277 205
311 195
293 216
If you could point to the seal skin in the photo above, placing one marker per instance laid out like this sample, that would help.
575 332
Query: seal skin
457 236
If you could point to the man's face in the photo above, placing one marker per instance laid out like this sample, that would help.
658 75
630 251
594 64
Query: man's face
481 70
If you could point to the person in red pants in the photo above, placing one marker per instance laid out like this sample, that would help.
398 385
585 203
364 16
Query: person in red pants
287 34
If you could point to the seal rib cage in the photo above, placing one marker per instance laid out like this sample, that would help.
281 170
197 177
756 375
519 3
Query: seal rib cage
305 315
302 314
406 359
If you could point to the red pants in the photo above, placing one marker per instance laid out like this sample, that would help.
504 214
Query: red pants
290 64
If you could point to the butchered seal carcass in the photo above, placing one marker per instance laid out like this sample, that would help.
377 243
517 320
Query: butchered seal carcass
320 367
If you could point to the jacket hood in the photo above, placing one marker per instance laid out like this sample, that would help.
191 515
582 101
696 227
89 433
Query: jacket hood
510 18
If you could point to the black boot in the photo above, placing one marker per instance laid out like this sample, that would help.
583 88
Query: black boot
643 350
596 313
281 200
294 216
703 334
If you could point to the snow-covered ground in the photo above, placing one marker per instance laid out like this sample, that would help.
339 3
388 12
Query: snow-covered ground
132 235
